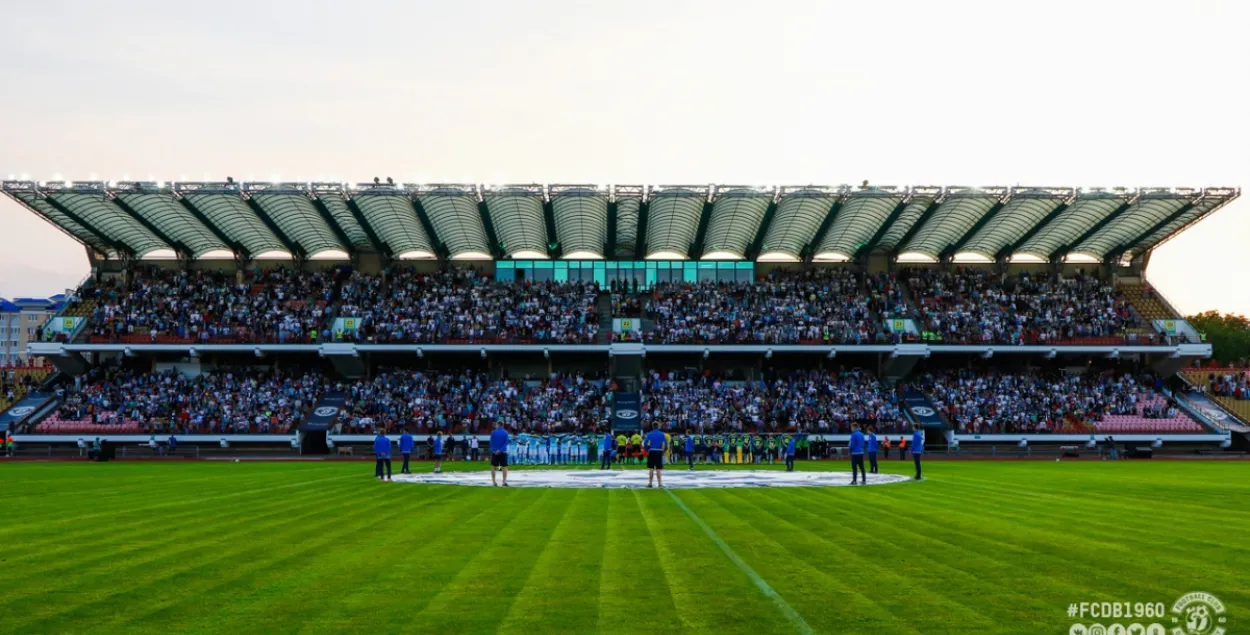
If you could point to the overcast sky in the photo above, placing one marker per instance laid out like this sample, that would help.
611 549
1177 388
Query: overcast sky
1083 93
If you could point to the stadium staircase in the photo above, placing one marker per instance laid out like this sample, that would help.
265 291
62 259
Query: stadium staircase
604 306
1148 304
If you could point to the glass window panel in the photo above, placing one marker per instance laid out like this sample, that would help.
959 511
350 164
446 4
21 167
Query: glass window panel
707 275
562 275
543 275
505 275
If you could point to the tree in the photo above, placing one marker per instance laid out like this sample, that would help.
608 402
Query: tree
1228 334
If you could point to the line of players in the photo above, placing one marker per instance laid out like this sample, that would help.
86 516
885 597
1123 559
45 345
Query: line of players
706 449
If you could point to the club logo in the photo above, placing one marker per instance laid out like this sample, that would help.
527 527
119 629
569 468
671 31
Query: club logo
922 411
627 414
1198 614
21 411
325 411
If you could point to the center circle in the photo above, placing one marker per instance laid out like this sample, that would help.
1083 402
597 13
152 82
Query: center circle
626 479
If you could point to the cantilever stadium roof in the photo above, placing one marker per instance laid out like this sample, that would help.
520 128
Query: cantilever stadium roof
134 220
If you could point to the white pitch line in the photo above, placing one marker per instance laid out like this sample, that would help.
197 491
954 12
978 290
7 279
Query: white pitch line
799 623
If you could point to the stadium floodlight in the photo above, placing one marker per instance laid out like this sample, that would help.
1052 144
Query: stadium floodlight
69 184
160 184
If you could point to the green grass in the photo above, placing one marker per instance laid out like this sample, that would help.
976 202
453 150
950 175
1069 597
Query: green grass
308 547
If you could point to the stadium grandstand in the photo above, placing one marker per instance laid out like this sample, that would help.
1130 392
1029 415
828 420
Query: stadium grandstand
310 313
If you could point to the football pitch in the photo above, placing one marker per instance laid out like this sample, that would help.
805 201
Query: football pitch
209 547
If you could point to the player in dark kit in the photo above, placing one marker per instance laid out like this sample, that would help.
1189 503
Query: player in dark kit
656 443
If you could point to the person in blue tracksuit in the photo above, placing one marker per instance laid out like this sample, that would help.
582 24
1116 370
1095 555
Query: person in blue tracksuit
656 444
605 450
690 451
499 453
382 452
438 452
857 455
406 444
917 447
872 449
790 453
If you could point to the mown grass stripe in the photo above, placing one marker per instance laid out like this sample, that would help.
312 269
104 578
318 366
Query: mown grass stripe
688 560
1031 548
629 580
403 563
788 611
900 593
205 591
156 538
946 569
555 596
169 565
88 536
497 571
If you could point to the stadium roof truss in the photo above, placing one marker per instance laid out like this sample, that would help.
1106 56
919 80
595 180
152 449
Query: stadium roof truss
580 216
672 222
136 220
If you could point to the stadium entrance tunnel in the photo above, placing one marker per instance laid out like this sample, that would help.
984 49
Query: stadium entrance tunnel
630 479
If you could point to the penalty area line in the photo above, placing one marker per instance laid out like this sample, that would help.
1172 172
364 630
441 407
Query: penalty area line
799 623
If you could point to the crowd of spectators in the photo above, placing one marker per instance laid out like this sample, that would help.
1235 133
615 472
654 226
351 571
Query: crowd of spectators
463 305
1234 384
976 306
804 401
560 403
963 305
993 403
235 401
277 305
814 306
411 398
